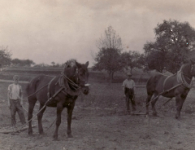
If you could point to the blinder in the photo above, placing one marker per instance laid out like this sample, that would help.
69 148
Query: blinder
77 76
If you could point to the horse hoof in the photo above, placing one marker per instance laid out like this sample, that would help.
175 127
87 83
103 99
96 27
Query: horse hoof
70 136
30 133
41 133
55 138
177 117
154 114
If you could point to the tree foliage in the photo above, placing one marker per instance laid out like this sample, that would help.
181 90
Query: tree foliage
108 57
110 40
131 60
5 57
173 42
19 62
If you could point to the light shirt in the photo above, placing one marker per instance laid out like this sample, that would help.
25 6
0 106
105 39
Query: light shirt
129 84
14 91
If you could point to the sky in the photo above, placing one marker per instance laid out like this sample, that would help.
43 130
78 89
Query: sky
48 31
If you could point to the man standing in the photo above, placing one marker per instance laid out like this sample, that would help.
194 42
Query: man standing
15 101
129 89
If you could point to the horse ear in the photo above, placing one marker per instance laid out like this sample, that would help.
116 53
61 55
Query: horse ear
87 63
78 64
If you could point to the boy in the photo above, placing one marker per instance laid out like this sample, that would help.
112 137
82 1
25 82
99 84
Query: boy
15 101
129 89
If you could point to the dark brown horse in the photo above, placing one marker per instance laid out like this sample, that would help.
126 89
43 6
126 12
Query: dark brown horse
177 85
60 91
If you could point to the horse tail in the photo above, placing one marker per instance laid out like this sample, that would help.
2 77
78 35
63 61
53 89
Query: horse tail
151 84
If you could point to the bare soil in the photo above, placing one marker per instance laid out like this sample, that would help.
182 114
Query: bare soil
101 122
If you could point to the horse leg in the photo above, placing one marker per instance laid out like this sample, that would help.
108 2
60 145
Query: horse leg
69 119
179 104
30 114
153 102
58 120
39 117
148 102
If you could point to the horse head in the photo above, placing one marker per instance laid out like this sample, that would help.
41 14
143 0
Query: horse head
77 75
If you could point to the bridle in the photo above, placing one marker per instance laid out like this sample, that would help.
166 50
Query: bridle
74 85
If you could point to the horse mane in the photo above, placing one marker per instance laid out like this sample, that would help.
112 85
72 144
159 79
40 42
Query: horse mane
70 63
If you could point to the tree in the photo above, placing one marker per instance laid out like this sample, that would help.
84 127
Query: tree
28 62
131 60
173 42
108 57
111 40
5 56
19 62
154 57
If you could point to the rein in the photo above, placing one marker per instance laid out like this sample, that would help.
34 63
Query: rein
46 103
66 86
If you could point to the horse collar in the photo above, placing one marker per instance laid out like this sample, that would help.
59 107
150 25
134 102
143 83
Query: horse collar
192 69
165 82
181 79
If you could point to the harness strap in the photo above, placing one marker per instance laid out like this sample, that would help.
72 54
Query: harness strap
165 82
66 88
165 91
63 83
48 88
181 79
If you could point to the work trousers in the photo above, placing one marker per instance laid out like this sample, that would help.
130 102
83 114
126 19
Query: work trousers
129 93
15 106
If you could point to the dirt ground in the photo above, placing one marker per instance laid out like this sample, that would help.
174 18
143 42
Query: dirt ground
101 123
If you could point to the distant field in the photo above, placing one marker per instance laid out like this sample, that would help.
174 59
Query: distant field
100 121
26 74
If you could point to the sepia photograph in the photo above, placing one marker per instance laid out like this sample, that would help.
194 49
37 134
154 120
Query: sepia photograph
97 75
